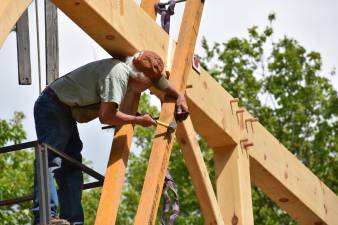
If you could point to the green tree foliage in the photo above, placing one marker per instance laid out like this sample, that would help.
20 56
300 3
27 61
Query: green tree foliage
16 168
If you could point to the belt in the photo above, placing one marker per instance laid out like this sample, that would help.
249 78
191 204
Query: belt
52 94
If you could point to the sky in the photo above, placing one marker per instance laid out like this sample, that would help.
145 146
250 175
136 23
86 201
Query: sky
313 23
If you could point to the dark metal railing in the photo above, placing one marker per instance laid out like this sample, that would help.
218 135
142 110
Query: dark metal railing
41 157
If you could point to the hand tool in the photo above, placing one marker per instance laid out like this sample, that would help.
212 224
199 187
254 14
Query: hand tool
170 127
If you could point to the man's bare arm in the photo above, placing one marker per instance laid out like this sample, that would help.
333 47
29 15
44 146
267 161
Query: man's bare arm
110 115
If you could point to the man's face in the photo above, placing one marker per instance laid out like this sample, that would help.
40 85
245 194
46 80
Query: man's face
139 83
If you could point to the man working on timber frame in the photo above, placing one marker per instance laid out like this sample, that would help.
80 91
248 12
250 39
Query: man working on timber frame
98 88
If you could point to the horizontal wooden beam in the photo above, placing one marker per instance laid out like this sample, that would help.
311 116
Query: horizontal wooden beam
121 27
10 12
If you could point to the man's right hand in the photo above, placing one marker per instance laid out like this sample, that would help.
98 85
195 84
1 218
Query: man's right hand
145 120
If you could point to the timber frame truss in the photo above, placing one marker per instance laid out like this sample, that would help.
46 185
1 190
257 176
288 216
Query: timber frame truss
244 151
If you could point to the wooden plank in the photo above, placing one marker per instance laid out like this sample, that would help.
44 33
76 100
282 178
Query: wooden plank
118 159
105 21
162 144
233 184
52 42
23 48
10 12
288 182
186 137
120 27
116 168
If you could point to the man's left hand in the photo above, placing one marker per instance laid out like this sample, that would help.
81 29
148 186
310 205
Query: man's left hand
181 105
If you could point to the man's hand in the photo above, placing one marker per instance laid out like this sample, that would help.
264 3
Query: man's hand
145 120
181 104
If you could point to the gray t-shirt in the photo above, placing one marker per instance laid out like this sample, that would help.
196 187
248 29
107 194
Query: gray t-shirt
100 81
86 87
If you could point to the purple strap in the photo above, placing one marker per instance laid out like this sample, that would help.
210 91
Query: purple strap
176 209
165 13
168 181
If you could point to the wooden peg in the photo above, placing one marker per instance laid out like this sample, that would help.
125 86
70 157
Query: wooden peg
248 144
240 111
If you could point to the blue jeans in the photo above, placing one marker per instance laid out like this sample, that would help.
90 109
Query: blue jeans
55 126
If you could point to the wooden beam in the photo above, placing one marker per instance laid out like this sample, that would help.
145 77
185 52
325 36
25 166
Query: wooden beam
288 182
118 159
186 137
116 168
211 111
23 49
10 12
105 21
120 27
217 112
149 7
233 184
162 144
51 42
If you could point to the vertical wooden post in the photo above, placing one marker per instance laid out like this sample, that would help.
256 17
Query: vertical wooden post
116 168
233 184
52 42
119 154
186 137
23 48
162 145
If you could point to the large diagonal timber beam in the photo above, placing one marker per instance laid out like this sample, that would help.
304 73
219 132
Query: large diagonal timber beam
119 154
209 103
186 137
163 141
273 168
10 12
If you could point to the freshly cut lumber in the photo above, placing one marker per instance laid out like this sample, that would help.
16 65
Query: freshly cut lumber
119 154
163 141
116 168
10 12
288 182
186 137
120 27
233 184
105 20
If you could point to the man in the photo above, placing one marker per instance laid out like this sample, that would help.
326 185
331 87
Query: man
93 90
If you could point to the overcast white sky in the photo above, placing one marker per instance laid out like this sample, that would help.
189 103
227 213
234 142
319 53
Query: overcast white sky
313 23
